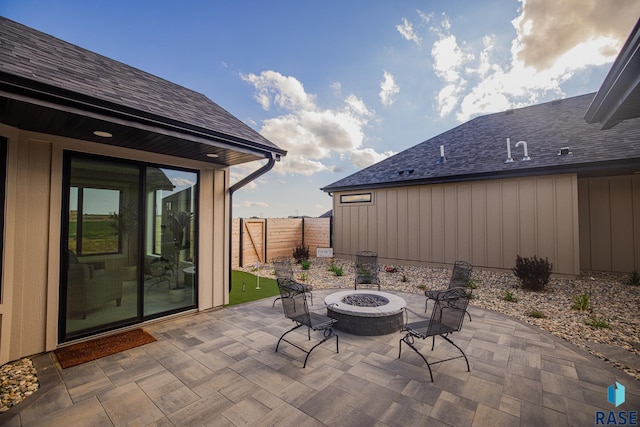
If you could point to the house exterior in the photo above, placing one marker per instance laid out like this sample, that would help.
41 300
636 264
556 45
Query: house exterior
530 181
116 192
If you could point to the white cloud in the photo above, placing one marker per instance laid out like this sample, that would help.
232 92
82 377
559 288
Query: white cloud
388 89
367 157
553 41
550 29
406 30
182 182
308 132
285 92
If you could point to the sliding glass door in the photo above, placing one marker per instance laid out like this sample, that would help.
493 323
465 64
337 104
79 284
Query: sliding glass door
128 249
170 235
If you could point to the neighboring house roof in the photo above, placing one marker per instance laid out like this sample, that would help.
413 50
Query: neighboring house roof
477 149
49 85
619 96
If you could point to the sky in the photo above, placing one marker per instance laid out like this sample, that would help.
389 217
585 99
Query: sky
343 84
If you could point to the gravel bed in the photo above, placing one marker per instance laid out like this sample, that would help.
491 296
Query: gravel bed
18 381
611 301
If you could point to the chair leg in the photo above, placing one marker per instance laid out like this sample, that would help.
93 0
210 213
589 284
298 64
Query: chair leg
282 337
408 339
326 337
328 333
463 355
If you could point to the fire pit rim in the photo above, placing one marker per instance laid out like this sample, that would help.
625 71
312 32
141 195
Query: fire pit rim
395 305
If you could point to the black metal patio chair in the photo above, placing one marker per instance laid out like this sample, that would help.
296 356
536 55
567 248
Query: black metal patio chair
366 269
284 271
460 277
294 304
447 317
156 272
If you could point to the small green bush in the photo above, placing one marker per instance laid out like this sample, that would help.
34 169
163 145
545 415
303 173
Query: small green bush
597 323
537 314
305 265
301 253
581 302
533 273
337 270
472 284
508 296
634 278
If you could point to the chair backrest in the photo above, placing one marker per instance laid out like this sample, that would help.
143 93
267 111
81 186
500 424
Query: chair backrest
294 303
449 312
461 274
366 267
282 267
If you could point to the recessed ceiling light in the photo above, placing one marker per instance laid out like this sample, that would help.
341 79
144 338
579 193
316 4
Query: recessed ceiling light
102 133
212 155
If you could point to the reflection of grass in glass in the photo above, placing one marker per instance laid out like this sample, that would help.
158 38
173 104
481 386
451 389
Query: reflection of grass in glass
97 237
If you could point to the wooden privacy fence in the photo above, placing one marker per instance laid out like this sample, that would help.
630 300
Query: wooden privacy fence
261 239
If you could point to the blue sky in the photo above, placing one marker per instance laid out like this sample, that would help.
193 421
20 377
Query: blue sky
344 84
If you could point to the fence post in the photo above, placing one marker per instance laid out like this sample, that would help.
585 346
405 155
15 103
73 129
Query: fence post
266 241
240 243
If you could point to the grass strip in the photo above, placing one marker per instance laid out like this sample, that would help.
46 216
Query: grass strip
244 288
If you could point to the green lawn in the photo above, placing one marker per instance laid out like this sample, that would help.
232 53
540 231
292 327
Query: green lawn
268 288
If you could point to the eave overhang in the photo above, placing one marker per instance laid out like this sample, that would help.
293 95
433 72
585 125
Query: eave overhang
38 107
585 170
618 98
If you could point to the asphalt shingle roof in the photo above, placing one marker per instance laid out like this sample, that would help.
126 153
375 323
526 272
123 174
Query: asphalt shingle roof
477 148
67 68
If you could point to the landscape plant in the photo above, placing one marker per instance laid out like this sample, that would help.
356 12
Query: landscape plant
581 302
537 314
508 296
533 273
597 323
301 253
337 270
305 265
634 278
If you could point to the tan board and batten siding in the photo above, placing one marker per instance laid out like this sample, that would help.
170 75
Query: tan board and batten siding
486 223
610 223
29 300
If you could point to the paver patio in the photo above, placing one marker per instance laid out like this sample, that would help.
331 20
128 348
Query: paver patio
219 368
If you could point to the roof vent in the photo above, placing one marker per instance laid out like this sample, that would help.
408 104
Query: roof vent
564 151
509 111
442 159
556 101
400 172
410 171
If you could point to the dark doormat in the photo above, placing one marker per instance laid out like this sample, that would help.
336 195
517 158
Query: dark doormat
100 347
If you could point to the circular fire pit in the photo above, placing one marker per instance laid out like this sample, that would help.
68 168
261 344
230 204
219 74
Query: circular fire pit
366 312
